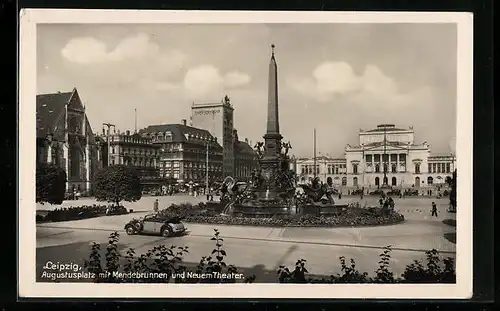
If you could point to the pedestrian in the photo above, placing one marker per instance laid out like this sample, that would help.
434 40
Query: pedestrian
434 210
155 206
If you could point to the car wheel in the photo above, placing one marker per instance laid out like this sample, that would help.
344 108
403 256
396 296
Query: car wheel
166 231
130 230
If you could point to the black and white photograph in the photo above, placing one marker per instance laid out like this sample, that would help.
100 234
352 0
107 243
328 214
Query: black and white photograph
168 154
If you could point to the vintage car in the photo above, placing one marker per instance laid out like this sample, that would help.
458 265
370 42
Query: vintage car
395 192
156 224
357 192
377 192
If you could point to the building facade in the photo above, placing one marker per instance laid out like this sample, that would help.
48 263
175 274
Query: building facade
65 138
245 158
134 151
217 119
385 148
186 154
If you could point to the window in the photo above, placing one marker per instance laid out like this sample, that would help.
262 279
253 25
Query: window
439 168
385 158
376 157
303 169
329 169
385 167
394 168
377 168
368 158
430 180
394 157
354 168
448 167
417 168
344 181
429 168
394 181
336 169
355 181
377 181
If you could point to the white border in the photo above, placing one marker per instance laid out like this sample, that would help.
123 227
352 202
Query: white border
29 18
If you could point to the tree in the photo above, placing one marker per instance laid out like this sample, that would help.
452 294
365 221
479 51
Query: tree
50 183
117 183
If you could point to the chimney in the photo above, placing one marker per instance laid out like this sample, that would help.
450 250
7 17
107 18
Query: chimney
184 122
128 133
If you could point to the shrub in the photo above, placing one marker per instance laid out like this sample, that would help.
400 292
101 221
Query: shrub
50 183
161 259
169 260
117 183
77 212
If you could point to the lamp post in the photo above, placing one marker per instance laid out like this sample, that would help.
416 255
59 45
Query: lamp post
109 126
206 177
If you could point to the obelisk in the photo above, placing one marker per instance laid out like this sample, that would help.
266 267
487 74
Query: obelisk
273 136
272 139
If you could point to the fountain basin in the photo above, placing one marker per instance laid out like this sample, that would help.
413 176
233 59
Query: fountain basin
320 209
259 208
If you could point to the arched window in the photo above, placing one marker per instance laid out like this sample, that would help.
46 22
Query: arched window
354 168
430 180
394 181
417 168
344 181
355 181
417 181
377 181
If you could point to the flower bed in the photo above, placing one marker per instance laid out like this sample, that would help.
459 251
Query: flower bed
351 217
79 212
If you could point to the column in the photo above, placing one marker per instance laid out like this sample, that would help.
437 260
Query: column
87 168
373 163
397 163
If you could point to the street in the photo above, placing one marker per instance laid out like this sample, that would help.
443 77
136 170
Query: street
260 250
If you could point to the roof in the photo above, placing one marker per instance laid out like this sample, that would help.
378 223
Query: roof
49 108
179 131
388 143
386 127
243 147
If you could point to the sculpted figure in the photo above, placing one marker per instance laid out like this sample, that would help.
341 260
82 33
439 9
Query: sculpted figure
259 147
316 191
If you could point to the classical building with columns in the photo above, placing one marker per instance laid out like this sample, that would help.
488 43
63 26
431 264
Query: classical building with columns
65 138
386 148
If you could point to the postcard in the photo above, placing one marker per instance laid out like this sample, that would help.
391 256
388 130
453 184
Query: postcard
206 154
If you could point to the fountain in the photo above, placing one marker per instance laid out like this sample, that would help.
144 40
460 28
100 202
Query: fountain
272 190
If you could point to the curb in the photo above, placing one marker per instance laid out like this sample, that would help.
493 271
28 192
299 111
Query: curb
282 241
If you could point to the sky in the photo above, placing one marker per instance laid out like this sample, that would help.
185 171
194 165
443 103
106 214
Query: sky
337 78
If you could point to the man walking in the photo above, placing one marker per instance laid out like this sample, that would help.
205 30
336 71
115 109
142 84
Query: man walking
155 206
434 210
